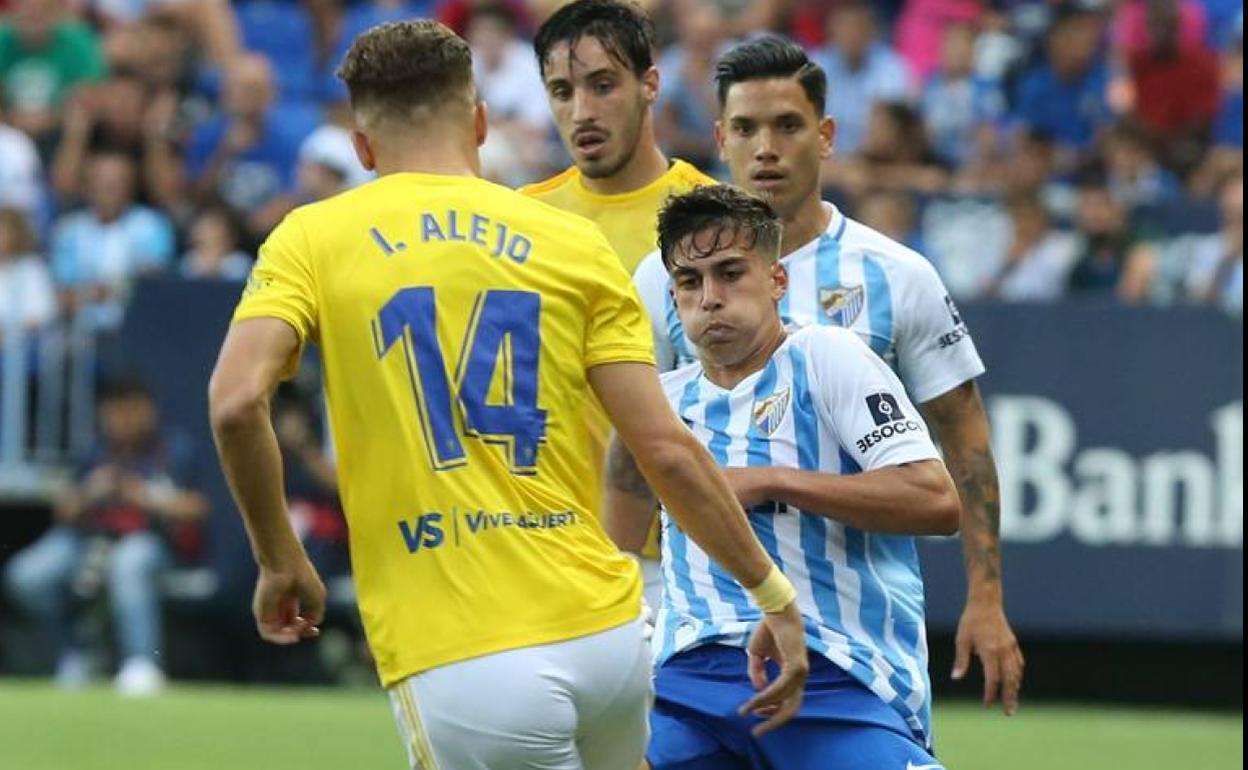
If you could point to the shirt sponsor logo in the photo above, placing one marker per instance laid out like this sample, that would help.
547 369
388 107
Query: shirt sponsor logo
890 419
959 333
430 531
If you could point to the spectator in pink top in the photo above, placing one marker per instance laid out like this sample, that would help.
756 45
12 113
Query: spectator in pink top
1130 27
921 27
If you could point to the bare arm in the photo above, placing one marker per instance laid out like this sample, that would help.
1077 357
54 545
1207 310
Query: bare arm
912 499
961 425
630 502
679 469
290 598
71 151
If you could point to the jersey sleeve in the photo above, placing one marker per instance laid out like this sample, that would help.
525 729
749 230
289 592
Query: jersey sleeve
281 285
935 352
863 400
617 329
651 280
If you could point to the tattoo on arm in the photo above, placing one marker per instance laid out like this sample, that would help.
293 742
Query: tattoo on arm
960 424
623 475
975 475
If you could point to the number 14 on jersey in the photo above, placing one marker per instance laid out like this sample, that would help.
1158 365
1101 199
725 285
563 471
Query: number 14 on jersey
504 331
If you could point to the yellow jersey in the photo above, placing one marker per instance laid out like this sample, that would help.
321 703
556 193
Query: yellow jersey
456 321
629 220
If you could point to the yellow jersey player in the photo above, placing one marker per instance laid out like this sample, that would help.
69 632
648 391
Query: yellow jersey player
461 327
597 62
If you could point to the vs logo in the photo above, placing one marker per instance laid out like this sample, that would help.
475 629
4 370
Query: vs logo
428 532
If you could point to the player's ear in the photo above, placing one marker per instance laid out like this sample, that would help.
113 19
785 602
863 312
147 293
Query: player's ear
779 279
481 121
650 84
827 136
363 150
719 140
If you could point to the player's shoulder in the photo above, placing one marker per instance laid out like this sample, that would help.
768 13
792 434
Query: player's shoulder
651 272
552 184
837 346
895 256
686 176
675 381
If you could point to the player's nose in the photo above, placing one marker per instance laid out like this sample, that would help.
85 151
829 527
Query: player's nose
764 145
583 110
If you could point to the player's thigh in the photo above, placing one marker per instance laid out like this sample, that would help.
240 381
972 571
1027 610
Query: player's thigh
533 708
613 701
815 743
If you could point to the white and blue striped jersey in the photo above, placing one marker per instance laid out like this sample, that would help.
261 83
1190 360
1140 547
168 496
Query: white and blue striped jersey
822 403
855 277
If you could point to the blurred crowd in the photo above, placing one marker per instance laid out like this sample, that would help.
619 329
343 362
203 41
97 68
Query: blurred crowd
1032 150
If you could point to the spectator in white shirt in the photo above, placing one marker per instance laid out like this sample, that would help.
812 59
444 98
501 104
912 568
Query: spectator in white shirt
27 300
21 184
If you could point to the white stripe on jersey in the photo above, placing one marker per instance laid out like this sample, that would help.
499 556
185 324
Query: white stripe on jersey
852 588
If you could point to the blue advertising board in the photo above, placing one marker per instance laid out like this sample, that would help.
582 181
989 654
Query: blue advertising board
1118 433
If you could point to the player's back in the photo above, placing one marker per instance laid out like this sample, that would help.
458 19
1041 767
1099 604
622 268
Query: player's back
457 321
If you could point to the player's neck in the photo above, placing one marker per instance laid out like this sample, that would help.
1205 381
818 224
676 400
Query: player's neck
728 376
811 219
647 164
447 158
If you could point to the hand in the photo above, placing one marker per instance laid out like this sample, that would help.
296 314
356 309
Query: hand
289 605
749 485
984 631
781 637
100 484
133 490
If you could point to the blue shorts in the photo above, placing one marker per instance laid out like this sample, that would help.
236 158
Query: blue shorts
842 724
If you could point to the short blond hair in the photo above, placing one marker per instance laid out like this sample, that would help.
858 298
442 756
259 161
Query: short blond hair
401 69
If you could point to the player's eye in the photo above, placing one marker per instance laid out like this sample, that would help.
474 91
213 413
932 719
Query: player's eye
604 87
560 93
742 129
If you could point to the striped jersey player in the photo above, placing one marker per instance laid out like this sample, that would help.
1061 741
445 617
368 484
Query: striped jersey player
834 464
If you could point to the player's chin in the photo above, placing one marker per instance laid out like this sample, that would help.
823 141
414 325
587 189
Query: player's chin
598 165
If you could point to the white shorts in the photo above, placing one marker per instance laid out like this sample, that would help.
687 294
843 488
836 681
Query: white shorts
581 704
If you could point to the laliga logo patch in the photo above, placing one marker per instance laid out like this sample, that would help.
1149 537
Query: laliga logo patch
884 408
769 412
842 304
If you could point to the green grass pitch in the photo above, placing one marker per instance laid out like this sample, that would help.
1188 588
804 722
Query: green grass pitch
237 728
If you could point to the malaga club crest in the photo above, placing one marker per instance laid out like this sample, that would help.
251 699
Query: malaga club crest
842 304
769 412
